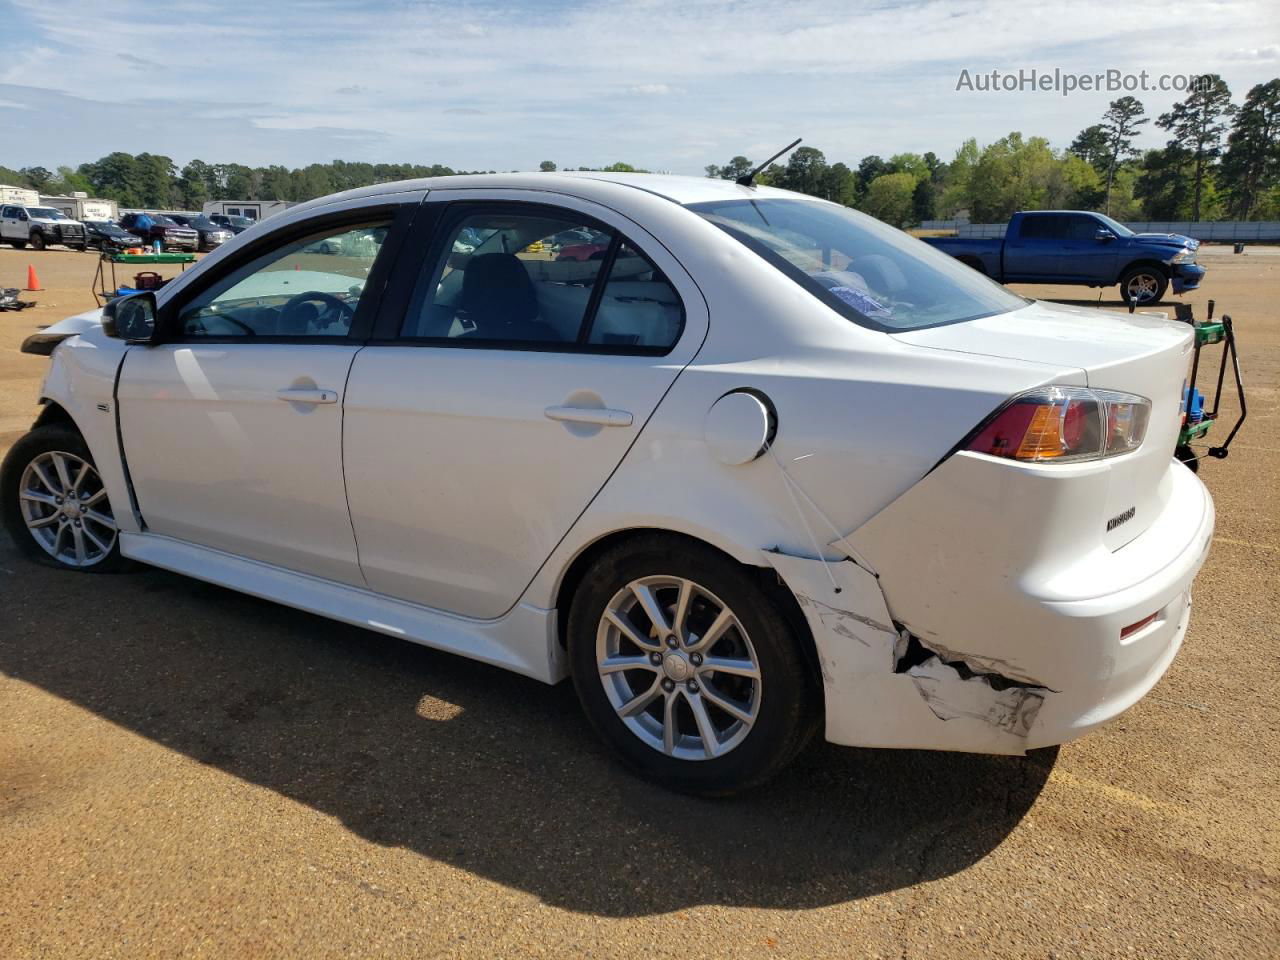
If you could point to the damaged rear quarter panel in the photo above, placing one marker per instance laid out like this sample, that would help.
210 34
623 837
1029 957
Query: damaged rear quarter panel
875 697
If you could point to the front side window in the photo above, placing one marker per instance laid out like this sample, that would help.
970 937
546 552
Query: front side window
871 273
308 287
531 278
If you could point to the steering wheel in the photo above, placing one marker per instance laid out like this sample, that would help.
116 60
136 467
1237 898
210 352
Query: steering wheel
315 296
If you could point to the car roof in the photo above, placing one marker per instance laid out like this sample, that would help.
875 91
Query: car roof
678 189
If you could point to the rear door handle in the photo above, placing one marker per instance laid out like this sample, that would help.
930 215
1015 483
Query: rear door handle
600 416
307 395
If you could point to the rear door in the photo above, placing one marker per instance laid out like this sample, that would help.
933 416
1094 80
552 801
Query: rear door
1033 253
508 380
11 228
232 427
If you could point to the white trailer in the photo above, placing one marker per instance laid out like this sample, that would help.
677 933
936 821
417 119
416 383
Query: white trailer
252 209
19 196
80 206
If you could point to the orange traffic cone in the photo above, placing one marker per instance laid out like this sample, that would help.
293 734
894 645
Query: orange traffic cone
33 282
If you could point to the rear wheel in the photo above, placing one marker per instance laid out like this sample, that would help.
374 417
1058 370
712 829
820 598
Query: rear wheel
54 504
687 669
1143 286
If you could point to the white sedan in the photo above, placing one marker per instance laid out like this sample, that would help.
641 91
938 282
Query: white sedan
764 467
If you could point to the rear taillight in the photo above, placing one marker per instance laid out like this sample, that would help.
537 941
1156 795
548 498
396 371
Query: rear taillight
1064 425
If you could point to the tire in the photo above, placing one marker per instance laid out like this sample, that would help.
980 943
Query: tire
78 532
38 241
1141 278
780 700
81 247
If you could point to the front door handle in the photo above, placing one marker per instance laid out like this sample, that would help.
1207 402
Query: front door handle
599 416
307 395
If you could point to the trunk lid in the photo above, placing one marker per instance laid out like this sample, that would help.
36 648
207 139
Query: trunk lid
1134 353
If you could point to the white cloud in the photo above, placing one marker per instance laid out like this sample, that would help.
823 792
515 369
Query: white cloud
501 83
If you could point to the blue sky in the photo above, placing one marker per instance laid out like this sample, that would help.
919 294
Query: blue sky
663 84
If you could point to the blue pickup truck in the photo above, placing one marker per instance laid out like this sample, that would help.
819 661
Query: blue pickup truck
1084 249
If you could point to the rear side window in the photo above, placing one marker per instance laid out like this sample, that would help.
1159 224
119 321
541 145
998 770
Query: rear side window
1044 228
526 278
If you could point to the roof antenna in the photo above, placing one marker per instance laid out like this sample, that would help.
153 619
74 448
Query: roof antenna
749 179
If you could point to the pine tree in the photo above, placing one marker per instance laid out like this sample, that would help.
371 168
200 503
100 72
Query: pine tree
1251 164
1198 124
1119 124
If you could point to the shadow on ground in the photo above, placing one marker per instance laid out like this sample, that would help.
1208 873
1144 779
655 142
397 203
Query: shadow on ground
506 780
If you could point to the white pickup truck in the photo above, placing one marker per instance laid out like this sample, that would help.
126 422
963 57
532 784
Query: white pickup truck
40 227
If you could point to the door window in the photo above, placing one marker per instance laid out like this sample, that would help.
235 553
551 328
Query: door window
308 287
1081 228
524 278
638 307
1044 228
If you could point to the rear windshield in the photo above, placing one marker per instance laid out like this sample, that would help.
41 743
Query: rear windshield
866 270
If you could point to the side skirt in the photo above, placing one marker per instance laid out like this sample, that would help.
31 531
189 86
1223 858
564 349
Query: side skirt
522 641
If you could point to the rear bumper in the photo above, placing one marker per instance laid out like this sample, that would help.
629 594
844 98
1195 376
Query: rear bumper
1186 276
996 663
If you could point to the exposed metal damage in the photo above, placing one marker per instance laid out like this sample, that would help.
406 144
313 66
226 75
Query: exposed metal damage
895 688
954 685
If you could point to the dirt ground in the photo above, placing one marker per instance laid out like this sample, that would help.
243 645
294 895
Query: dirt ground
188 771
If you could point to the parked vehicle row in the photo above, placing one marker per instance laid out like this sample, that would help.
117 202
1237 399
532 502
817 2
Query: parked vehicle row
1082 248
41 227
766 468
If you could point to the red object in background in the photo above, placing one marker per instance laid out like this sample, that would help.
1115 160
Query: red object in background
583 251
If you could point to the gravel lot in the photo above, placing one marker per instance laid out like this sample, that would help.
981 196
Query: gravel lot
188 771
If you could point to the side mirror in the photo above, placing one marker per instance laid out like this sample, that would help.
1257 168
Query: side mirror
131 318
1103 235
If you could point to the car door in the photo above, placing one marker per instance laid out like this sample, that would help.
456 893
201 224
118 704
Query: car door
1033 253
1084 258
506 383
232 425
11 226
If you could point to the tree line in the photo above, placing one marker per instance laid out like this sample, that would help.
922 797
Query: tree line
1221 161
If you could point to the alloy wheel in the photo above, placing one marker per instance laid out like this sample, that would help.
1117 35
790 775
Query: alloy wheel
1142 287
64 505
678 668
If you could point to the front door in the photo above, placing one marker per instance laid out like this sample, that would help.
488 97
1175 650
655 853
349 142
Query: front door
509 387
1083 258
232 428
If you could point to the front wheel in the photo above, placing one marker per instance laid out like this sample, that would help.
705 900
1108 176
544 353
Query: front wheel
37 241
687 669
1143 286
54 503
